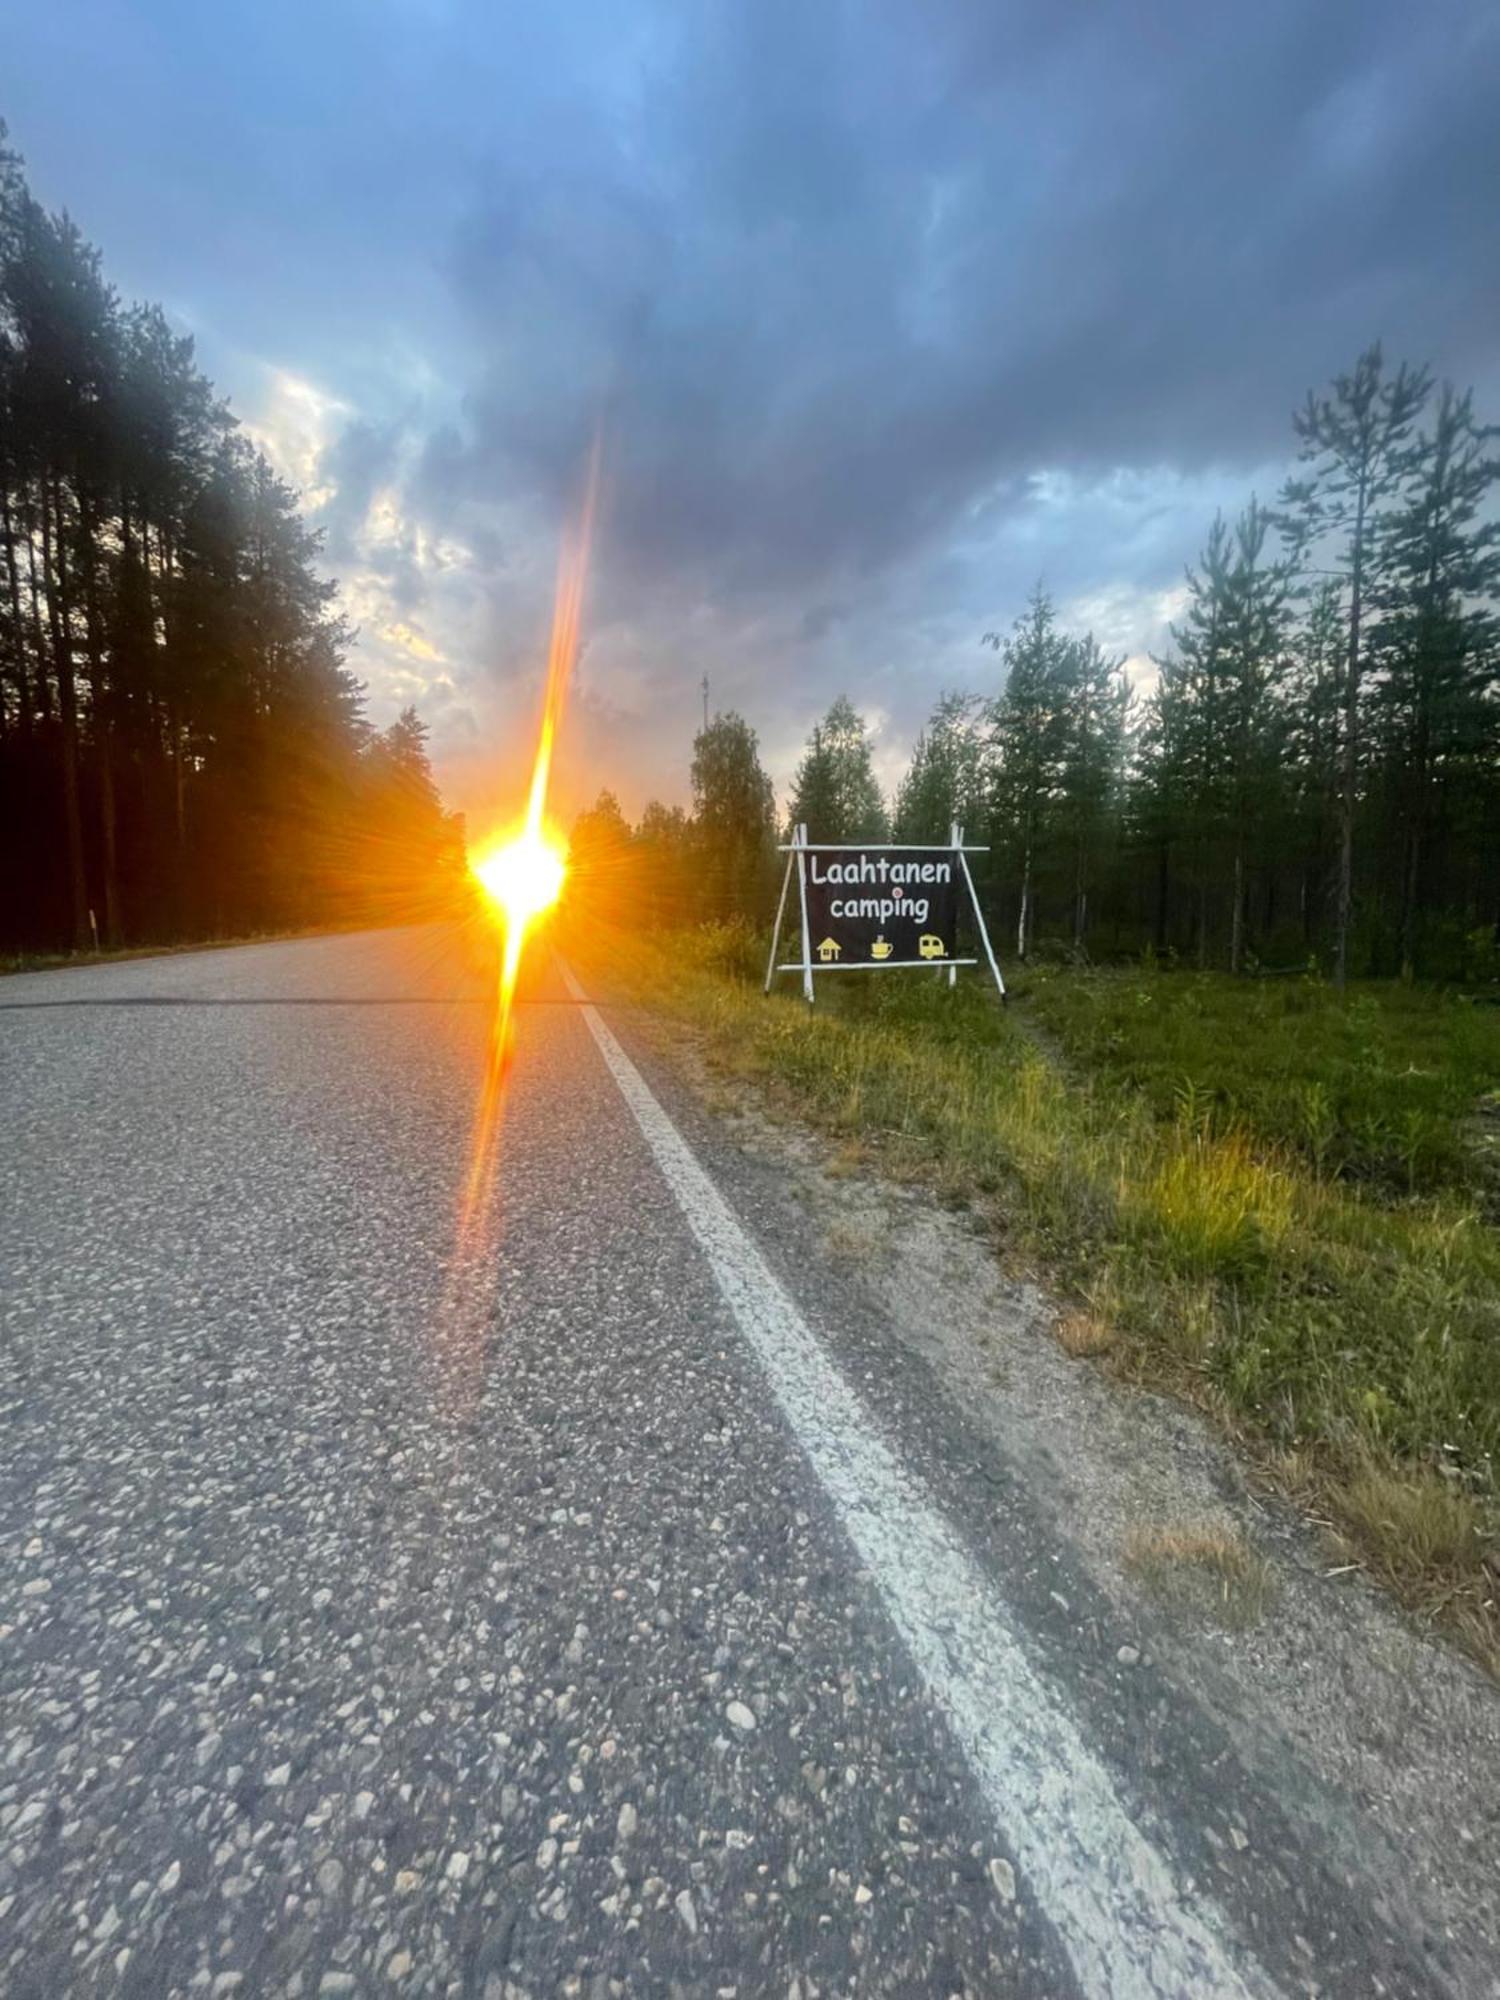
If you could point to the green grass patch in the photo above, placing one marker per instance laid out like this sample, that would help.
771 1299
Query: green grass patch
1382 1086
1345 1328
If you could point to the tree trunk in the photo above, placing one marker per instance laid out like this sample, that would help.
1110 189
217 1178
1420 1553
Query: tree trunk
1237 913
13 590
1409 876
1418 814
103 716
1163 886
1345 907
1080 900
1023 928
43 692
179 783
67 708
108 820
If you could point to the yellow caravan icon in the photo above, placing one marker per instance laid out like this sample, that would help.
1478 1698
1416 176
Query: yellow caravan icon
931 947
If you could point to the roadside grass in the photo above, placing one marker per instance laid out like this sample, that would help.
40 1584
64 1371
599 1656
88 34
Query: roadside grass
1382 1087
1083 1334
1204 1571
1348 1332
1423 1515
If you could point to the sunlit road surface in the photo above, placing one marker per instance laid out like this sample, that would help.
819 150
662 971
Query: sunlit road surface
616 1609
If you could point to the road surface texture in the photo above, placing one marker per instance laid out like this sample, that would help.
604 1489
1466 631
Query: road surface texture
600 1600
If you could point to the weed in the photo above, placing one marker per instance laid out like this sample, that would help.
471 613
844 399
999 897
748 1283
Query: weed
1083 1335
1205 1570
1212 1205
1428 1522
851 1157
852 1242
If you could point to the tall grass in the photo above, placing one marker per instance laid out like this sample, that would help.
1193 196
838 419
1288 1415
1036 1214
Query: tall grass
1276 1271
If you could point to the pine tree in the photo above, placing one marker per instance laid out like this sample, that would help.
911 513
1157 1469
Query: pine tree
1029 725
814 802
59 318
1096 707
1214 722
1438 570
1254 655
664 840
1311 737
1356 441
1160 789
946 781
734 813
601 871
835 793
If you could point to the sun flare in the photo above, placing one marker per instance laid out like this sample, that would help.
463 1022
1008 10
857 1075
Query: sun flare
523 876
522 873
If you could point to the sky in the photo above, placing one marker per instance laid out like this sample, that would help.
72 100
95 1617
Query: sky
886 314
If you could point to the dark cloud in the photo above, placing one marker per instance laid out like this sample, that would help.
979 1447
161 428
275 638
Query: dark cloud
834 277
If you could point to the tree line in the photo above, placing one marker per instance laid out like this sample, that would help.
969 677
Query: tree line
1312 774
182 750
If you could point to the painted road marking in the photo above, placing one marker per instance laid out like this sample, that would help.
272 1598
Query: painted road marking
1130 1930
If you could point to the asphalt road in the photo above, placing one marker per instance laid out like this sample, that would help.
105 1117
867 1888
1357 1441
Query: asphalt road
604 1604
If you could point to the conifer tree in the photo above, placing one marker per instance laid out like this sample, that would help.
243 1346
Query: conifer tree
835 793
1438 575
814 802
1030 733
1096 706
1356 442
734 816
946 781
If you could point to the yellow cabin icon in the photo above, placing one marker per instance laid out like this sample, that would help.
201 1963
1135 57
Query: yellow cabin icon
931 947
882 948
829 950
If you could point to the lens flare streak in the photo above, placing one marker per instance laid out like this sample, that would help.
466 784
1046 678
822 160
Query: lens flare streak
522 873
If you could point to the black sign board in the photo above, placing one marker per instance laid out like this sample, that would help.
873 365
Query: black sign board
881 906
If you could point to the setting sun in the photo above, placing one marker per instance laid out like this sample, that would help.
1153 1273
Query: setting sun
522 876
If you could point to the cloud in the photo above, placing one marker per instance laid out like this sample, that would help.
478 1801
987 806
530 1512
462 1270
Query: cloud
292 422
413 644
887 313
837 282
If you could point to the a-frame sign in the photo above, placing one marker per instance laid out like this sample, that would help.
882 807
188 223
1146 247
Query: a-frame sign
878 908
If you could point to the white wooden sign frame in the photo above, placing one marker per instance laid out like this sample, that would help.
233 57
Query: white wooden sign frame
797 850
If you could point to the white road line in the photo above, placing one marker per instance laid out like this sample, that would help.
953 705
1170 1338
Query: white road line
1130 1930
